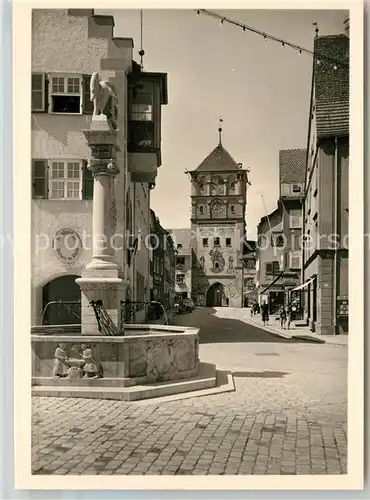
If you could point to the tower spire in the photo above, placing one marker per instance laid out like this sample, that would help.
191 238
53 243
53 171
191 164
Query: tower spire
220 131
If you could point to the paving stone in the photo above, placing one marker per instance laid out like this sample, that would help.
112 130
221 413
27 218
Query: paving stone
283 425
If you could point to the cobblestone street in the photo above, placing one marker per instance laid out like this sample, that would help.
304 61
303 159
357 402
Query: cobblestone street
286 416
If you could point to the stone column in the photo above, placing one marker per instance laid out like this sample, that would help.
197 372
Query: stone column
104 170
102 277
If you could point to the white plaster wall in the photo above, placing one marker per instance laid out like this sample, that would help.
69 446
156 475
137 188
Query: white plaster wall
69 49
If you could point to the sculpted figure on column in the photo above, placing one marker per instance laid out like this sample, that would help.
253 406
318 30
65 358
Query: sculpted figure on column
100 91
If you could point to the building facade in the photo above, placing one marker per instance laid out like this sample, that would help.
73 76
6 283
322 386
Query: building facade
325 256
218 229
162 265
249 259
68 46
182 238
280 238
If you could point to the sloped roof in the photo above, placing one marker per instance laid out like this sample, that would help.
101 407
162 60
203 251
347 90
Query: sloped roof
332 86
292 166
181 237
217 161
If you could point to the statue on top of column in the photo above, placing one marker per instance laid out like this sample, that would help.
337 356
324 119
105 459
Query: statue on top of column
100 91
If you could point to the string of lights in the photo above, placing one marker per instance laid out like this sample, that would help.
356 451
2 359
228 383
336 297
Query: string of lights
284 43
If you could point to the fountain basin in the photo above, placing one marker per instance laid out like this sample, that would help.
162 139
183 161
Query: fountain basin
145 354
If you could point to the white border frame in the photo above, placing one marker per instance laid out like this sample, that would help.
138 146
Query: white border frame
22 272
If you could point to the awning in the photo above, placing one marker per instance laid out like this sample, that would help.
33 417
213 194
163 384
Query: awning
303 285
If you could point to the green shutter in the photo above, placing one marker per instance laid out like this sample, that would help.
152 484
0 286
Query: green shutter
87 105
39 92
39 179
87 182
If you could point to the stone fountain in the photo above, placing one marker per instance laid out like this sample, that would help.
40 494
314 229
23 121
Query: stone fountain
108 359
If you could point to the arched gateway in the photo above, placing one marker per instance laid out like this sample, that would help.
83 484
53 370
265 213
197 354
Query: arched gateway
61 301
215 295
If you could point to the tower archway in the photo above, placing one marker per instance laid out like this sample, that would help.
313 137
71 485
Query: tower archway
215 295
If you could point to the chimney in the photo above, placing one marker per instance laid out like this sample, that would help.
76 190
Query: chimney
346 27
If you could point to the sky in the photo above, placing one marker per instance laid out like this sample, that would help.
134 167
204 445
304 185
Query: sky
259 88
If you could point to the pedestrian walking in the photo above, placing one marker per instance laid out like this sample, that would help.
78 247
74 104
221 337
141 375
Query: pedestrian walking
282 314
265 313
288 316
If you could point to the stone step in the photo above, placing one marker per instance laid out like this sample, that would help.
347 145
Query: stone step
205 379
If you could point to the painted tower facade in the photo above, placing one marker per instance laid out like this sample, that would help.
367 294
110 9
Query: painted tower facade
218 206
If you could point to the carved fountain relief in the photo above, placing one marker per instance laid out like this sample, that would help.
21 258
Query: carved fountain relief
81 364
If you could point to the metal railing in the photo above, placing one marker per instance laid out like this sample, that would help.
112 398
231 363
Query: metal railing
63 309
105 324
153 310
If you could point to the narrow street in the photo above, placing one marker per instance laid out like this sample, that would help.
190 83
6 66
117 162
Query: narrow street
287 414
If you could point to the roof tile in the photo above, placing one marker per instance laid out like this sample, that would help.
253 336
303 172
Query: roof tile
218 160
332 86
292 166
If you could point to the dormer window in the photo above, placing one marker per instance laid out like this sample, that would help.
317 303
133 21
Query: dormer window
296 188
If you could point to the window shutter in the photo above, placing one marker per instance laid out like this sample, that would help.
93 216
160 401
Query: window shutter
87 182
39 179
39 92
88 105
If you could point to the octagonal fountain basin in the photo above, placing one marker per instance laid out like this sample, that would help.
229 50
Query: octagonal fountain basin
91 365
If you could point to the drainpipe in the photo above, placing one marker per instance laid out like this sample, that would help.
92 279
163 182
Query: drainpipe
336 229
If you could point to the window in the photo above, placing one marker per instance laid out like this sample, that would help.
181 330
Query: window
65 94
295 259
65 180
275 267
277 240
205 242
181 261
179 245
180 278
232 209
216 242
201 209
38 92
228 242
268 268
61 179
295 219
296 188
272 267
142 102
